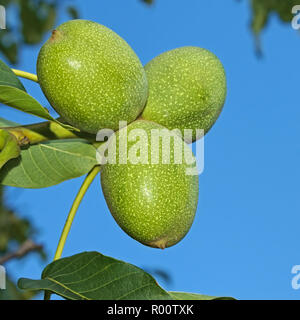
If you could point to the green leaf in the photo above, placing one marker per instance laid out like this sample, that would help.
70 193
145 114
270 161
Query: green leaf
195 296
22 101
7 123
9 147
8 78
13 293
262 10
93 276
49 163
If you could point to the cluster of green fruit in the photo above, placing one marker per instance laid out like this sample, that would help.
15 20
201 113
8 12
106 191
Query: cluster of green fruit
93 79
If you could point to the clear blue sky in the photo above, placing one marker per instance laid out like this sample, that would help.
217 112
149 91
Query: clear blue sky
245 238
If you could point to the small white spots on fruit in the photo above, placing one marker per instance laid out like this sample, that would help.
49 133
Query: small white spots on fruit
187 89
154 203
91 76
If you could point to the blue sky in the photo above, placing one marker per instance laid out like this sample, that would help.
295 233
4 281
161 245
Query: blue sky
245 238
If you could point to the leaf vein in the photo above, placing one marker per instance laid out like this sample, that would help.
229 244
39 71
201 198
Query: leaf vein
38 167
110 282
91 276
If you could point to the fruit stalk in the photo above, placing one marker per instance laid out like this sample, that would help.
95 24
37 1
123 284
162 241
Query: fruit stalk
26 75
82 191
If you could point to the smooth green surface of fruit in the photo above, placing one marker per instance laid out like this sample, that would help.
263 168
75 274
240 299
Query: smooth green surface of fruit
153 203
187 89
91 76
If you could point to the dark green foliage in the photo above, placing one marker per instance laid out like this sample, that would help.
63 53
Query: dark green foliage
13 229
262 11
72 11
148 1
35 18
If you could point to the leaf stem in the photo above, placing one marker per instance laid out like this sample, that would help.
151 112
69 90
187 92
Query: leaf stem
84 187
49 130
26 75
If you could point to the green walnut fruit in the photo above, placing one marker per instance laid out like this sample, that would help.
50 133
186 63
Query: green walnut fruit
152 197
91 76
187 89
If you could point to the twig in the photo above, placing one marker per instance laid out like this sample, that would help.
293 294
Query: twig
24 249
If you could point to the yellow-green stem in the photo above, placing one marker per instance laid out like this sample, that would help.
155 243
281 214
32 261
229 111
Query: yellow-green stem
85 185
26 75
87 182
48 130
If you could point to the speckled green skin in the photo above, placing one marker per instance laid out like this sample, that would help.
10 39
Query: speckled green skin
91 76
153 203
187 89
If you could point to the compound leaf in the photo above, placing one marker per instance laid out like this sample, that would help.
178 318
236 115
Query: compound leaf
22 101
49 163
